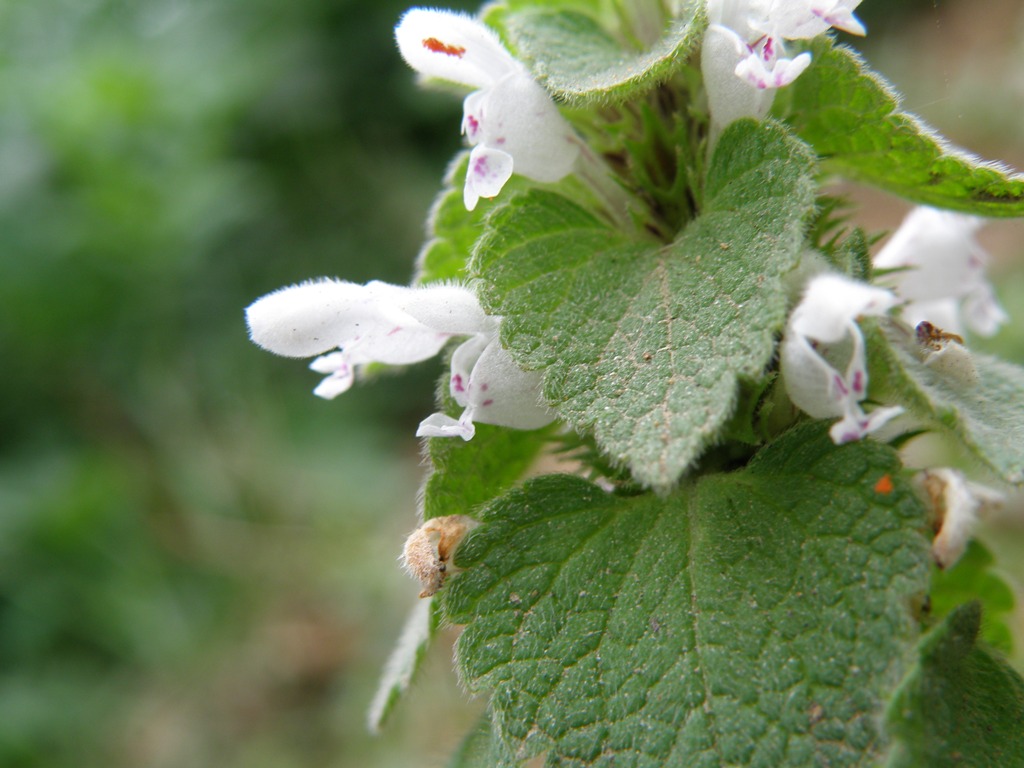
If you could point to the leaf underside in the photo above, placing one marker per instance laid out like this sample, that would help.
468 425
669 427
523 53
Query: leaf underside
404 662
983 416
755 618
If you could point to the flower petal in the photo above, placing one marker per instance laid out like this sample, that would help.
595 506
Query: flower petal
340 375
453 47
957 504
445 308
489 170
856 425
821 328
440 425
376 322
502 393
518 117
941 272
464 359
473 116
729 97
840 16
310 318
936 251
831 301
804 19
982 312
754 71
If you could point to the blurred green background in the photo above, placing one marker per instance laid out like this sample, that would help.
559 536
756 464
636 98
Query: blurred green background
197 557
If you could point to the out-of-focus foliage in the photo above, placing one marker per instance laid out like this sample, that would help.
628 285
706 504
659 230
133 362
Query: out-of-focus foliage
197 554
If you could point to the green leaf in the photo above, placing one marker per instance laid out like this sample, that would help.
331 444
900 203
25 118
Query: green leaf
452 229
482 748
462 476
404 662
753 618
466 474
851 117
645 344
983 415
972 578
961 706
577 60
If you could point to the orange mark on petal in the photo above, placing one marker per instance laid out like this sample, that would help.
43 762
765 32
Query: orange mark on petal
435 45
884 485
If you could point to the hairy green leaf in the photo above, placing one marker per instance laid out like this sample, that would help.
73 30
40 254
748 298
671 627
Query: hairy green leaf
467 474
851 117
753 618
579 61
643 343
451 229
482 748
982 412
961 706
972 578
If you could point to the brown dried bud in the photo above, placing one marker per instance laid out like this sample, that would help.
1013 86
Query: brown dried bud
955 504
429 550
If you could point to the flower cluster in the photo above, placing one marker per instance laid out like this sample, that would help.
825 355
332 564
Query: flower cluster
823 359
934 265
512 123
744 54
352 325
939 270
930 273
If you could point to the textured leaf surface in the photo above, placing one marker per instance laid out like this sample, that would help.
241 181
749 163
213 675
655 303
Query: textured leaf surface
852 119
984 416
645 343
755 618
972 578
961 706
451 229
463 475
577 60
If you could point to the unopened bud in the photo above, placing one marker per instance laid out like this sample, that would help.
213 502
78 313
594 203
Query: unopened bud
429 550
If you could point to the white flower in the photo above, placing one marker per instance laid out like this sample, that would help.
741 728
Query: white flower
942 272
745 40
956 504
491 388
804 19
381 323
512 123
823 329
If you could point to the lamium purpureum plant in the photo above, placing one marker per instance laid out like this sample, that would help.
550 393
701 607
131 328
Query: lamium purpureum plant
639 264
